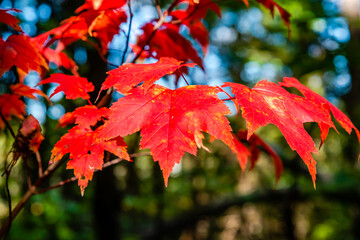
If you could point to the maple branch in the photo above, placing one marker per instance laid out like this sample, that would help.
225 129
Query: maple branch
7 125
94 45
6 226
183 77
9 202
128 34
158 8
27 173
156 27
62 183
38 159
105 165
228 99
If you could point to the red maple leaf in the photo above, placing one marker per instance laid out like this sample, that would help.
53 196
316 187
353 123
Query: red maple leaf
129 75
85 147
73 87
102 25
86 152
171 121
167 42
19 51
26 91
9 19
11 105
323 105
54 55
84 116
269 103
255 143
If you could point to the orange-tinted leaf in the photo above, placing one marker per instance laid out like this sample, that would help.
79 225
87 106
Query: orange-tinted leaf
26 91
269 103
72 86
19 51
254 143
105 25
68 118
246 2
171 121
102 24
323 106
9 19
167 42
11 105
129 75
86 152
30 129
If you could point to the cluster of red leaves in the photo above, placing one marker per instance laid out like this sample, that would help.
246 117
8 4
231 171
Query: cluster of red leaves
171 122
84 145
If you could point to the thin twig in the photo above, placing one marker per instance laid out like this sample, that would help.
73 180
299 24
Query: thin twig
228 99
156 27
27 173
6 226
183 77
6 232
158 9
38 159
7 124
105 165
62 183
94 45
128 34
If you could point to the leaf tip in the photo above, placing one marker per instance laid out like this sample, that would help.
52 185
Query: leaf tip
82 189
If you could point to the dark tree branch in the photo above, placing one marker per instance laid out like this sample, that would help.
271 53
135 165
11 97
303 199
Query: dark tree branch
156 27
128 34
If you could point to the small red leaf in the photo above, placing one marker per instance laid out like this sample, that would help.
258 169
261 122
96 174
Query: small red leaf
85 116
167 42
11 105
254 143
72 86
9 19
19 51
26 91
86 152
129 75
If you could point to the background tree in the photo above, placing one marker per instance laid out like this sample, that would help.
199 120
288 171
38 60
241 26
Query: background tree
208 196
